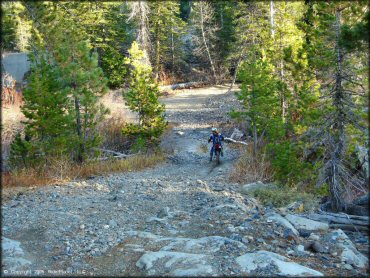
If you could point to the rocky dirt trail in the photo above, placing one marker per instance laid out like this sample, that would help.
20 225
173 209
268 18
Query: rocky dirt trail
181 218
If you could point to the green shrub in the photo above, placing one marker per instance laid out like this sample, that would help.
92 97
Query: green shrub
281 197
142 98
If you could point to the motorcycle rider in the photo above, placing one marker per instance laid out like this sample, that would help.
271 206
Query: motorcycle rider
215 138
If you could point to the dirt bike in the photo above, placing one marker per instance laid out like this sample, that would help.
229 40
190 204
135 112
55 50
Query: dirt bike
218 150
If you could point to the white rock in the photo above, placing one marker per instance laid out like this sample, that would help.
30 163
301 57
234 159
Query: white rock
314 237
237 134
300 248
12 255
354 257
350 254
155 219
181 133
307 224
281 221
261 259
204 245
161 262
230 208
362 154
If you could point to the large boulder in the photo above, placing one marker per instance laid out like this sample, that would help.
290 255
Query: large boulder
349 254
281 266
13 255
363 157
277 218
175 264
306 224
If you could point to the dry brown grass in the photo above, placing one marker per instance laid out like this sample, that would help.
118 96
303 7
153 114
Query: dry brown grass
249 169
60 170
111 132
11 117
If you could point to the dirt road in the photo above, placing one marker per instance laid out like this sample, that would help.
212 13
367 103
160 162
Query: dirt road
181 218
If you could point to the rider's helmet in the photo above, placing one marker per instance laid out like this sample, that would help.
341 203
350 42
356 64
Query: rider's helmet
214 130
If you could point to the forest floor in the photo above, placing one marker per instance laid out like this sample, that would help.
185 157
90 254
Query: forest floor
180 218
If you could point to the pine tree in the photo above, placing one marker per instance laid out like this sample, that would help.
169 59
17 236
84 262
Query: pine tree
342 122
86 82
251 29
259 96
105 25
48 127
143 99
9 26
166 28
80 74
15 27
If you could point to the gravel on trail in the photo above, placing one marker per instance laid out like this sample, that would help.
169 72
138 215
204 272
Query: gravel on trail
180 218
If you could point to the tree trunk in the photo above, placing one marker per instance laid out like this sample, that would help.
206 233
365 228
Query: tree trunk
81 146
172 52
206 46
157 57
143 36
283 100
334 179
284 104
255 139
222 16
272 19
78 129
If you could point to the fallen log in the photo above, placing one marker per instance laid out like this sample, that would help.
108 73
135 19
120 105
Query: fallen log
350 216
111 157
116 155
112 152
357 210
182 85
362 201
351 228
351 209
338 219
227 139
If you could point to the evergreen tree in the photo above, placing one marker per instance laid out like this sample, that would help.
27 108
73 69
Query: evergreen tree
251 29
48 127
224 13
105 25
258 93
79 71
142 98
342 122
166 28
15 27
9 26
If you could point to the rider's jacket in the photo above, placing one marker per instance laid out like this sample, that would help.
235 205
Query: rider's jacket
216 138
